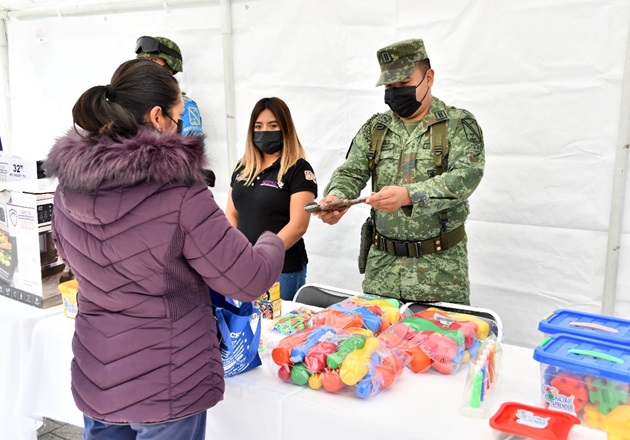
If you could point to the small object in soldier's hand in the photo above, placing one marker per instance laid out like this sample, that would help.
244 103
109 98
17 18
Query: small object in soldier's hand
338 205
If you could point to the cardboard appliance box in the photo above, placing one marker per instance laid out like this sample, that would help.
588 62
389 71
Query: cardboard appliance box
30 267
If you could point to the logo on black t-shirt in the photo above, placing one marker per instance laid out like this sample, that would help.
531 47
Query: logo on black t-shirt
271 183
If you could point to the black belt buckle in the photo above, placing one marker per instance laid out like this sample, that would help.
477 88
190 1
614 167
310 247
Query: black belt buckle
400 248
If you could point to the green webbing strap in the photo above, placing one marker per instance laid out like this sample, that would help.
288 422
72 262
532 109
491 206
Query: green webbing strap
439 145
374 153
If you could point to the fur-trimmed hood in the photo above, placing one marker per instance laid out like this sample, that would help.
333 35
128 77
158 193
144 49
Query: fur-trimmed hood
100 183
150 156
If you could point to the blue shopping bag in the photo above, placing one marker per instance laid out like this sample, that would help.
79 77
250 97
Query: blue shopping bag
238 342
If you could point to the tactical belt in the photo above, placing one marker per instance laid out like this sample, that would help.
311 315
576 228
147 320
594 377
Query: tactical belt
419 248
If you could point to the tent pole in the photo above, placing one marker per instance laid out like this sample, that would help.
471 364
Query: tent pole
228 80
5 89
618 193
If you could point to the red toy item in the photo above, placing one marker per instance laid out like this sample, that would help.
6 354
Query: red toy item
331 381
315 360
532 422
337 319
571 386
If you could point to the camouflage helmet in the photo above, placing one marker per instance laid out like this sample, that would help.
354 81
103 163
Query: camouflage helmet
160 47
398 60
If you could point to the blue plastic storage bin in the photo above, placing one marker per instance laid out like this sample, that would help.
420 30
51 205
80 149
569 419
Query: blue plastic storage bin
585 377
589 325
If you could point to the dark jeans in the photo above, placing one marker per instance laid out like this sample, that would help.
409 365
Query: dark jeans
189 428
290 283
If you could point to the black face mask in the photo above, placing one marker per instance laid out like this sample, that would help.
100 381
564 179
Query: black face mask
402 100
180 126
179 122
268 141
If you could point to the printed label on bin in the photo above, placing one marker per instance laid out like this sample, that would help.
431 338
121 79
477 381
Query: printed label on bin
528 418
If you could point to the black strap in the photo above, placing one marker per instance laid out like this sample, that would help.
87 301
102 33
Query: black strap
417 249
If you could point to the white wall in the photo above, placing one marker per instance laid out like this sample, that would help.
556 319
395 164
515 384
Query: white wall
543 79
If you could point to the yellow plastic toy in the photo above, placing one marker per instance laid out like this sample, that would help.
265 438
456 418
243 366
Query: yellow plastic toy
592 417
617 423
356 365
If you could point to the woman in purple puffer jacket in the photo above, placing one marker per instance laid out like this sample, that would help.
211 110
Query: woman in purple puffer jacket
138 226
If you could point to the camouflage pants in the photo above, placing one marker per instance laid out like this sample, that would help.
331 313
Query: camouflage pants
435 277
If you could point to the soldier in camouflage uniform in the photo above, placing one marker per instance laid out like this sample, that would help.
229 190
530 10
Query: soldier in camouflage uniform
166 53
418 251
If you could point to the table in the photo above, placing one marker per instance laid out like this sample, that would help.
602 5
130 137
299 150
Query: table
17 323
259 406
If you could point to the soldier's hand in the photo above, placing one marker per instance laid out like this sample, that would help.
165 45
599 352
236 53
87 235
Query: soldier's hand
331 217
390 198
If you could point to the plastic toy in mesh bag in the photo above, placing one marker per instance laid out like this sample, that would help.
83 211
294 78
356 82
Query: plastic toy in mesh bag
469 329
292 322
365 311
337 361
426 344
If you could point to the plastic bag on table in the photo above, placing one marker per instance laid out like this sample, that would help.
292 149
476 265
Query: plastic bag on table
372 312
338 361
482 379
426 345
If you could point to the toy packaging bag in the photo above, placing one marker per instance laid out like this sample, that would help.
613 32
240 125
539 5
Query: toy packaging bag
337 361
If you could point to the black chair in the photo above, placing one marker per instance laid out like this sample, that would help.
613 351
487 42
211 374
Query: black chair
319 295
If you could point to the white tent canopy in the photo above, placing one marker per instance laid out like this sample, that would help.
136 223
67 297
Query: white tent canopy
547 82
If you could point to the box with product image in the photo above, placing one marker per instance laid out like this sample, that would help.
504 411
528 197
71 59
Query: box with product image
586 377
269 303
30 267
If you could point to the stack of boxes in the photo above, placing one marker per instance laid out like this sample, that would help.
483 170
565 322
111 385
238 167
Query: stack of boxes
585 369
269 303
30 267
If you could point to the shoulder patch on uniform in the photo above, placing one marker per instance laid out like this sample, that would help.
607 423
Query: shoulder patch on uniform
309 175
471 130
440 115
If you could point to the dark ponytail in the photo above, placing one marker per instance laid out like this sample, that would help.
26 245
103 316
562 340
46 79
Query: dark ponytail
121 107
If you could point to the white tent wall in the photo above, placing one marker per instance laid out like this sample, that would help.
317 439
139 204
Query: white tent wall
543 79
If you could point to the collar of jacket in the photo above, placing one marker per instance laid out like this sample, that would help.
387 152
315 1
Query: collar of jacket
84 166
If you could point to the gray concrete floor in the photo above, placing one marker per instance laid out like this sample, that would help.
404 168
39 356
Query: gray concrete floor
53 430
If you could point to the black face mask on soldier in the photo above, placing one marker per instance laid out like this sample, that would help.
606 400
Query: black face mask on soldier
268 141
402 100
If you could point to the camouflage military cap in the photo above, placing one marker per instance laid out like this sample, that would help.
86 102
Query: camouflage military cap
398 60
160 47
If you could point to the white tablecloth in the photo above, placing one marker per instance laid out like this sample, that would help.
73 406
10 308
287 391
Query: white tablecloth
17 322
259 406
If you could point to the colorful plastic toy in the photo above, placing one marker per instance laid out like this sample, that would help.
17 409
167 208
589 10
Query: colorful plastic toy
569 385
356 365
606 394
353 343
617 423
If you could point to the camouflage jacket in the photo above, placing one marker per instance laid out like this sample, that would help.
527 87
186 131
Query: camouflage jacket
407 160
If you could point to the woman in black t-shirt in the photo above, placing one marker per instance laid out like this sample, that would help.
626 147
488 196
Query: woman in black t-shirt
270 187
